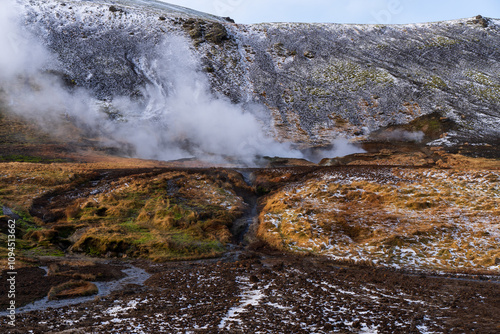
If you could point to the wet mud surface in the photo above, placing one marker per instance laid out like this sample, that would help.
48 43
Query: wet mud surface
269 292
34 283
251 289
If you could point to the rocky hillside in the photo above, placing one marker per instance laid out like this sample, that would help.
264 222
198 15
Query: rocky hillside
437 81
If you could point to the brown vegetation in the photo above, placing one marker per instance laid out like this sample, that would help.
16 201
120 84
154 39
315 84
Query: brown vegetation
416 218
73 289
155 213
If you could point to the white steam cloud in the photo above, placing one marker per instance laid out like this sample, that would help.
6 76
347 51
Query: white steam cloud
189 120
19 54
180 117
402 135
340 147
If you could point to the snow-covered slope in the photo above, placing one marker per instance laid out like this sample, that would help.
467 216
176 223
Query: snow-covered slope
316 81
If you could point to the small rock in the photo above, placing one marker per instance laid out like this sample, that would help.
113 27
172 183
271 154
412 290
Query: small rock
279 267
114 9
329 327
8 212
484 22
309 54
254 279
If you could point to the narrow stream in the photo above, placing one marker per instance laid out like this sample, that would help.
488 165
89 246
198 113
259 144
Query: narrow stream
133 274
242 225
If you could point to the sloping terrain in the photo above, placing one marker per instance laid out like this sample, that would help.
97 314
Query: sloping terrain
317 81
412 218
155 213
22 140
402 238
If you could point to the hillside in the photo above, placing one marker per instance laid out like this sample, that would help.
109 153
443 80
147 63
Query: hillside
312 82
166 170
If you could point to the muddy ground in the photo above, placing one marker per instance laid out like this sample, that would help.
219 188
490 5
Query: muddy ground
255 289
263 291
250 289
34 283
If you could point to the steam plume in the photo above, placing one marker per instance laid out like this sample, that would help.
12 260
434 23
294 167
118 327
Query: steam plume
177 118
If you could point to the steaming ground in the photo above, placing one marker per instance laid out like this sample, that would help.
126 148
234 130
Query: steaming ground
124 208
179 118
196 122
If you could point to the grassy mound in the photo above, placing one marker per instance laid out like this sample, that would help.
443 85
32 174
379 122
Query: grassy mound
413 218
141 213
73 289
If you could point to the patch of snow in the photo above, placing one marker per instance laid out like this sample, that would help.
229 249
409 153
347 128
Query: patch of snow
113 311
445 141
423 329
278 306
249 297
368 329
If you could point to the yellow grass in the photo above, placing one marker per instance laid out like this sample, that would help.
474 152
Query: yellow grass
185 214
418 218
